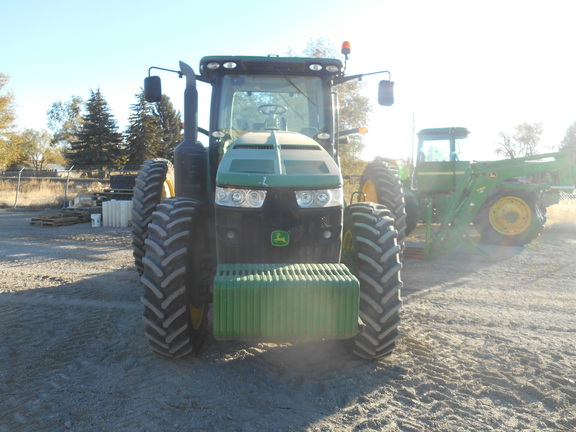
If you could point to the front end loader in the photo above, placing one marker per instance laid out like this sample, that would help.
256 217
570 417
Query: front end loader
254 226
504 200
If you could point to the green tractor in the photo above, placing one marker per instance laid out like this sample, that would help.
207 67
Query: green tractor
254 226
504 200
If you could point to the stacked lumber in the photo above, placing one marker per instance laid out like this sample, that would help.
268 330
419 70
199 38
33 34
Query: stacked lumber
61 219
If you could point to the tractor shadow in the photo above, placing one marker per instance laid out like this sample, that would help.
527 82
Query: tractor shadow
420 274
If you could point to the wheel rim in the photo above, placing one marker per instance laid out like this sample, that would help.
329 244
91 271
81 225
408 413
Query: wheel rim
348 251
168 189
196 316
510 216
369 192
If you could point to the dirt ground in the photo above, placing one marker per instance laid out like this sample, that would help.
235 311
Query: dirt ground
485 346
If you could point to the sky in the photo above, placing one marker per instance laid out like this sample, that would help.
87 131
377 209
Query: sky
486 65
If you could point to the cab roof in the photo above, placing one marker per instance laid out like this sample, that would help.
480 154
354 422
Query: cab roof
443 133
270 65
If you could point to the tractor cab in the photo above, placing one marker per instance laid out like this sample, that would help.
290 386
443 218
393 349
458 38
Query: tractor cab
438 168
266 96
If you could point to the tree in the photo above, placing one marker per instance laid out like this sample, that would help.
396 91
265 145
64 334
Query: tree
171 126
65 120
98 142
9 151
569 141
355 108
144 134
507 148
7 115
524 142
528 136
37 149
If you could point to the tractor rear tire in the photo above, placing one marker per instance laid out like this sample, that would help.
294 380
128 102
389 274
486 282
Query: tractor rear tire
371 252
380 184
176 278
155 181
510 218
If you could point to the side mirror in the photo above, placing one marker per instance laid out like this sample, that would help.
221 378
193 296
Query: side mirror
152 89
386 93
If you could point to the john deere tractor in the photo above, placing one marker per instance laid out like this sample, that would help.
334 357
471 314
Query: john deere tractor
504 200
255 226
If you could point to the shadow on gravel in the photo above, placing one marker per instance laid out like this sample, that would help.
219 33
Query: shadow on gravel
452 267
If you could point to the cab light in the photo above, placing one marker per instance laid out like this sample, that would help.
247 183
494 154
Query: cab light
213 65
323 136
319 198
332 68
345 48
235 197
229 65
315 67
218 134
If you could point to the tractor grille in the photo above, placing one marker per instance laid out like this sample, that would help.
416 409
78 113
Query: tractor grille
285 303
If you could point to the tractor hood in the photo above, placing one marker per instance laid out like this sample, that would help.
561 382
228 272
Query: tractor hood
277 159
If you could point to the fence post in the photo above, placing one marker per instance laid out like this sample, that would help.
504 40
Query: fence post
66 190
18 187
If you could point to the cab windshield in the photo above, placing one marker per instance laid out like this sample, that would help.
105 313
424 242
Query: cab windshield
260 102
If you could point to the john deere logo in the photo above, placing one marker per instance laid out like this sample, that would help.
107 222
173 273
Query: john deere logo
280 238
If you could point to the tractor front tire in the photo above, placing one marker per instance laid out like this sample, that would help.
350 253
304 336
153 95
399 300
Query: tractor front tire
176 278
510 218
380 184
155 181
371 252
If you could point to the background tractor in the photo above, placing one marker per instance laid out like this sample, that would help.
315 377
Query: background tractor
254 226
505 200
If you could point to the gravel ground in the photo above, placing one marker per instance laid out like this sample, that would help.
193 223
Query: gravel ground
485 346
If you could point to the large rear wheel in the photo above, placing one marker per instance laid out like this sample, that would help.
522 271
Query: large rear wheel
510 218
371 252
155 181
177 278
380 184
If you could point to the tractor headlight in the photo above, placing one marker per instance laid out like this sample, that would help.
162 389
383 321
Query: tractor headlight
319 198
233 197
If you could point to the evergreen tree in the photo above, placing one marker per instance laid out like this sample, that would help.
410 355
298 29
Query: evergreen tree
144 134
171 125
569 141
98 142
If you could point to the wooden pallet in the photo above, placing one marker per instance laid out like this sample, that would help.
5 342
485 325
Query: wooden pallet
61 219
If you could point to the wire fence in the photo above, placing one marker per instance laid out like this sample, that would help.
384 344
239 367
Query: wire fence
563 213
53 188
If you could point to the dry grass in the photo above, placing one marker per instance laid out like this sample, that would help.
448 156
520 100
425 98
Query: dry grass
563 214
36 193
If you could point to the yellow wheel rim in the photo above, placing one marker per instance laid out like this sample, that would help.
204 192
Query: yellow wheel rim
197 316
348 242
510 216
369 192
168 189
349 251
